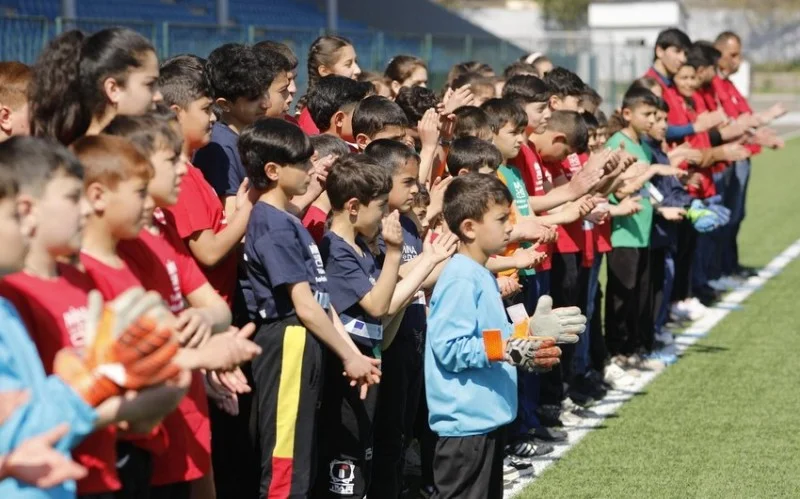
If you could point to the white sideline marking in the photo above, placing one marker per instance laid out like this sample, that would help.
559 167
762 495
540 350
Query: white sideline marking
697 330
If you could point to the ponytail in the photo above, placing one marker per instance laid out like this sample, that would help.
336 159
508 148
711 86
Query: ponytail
321 53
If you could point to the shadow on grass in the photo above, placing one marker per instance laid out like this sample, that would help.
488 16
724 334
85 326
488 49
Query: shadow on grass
704 349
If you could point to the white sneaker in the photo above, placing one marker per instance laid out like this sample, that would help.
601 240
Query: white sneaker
679 311
510 473
665 338
617 377
695 309
570 420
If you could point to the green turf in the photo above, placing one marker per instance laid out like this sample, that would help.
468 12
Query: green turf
723 421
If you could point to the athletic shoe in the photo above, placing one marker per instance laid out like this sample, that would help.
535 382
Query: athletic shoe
707 295
549 415
548 434
746 272
724 284
679 311
664 337
510 473
523 469
617 377
571 408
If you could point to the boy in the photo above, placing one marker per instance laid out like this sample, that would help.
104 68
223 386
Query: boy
239 85
325 146
293 311
472 121
566 89
331 104
199 218
469 346
280 97
53 299
473 155
285 51
14 79
402 354
378 118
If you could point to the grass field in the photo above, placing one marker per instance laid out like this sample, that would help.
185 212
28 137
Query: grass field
723 421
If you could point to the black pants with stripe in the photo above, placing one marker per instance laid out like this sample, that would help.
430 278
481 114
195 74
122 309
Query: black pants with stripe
346 425
288 379
469 467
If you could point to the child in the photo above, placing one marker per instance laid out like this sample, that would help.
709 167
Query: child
402 354
377 118
469 338
482 87
81 82
415 102
52 300
406 71
292 304
328 55
239 84
198 216
473 155
316 216
540 62
472 121
291 57
460 69
533 95
566 89
331 104
381 84
14 116
277 63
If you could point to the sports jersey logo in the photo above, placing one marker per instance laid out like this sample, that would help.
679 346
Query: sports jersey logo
409 253
75 323
342 474
176 297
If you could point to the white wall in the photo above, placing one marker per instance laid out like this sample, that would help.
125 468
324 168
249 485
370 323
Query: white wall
636 14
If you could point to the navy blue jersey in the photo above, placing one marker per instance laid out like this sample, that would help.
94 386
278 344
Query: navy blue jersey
220 162
350 277
279 251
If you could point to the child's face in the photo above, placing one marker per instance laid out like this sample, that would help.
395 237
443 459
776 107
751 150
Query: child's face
686 81
14 120
346 63
368 220
279 96
641 118
509 139
124 206
418 78
294 180
592 140
247 111
169 169
14 237
659 129
139 93
391 132
672 58
538 115
492 232
421 211
196 122
59 216
404 186
601 137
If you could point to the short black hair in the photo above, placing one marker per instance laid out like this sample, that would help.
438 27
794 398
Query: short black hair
414 101
662 105
390 154
470 120
703 54
591 95
357 176
183 79
331 94
422 197
272 140
636 97
326 144
564 83
29 163
602 119
525 89
235 72
470 197
375 113
591 121
572 125
672 37
149 132
280 48
519 68
472 154
271 62
504 111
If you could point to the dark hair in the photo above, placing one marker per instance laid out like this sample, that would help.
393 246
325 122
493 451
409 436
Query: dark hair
325 144
33 162
525 89
703 54
472 154
272 62
235 72
375 79
519 68
422 197
272 140
539 60
645 82
591 121
470 197
414 101
330 95
66 90
662 105
375 113
726 36
323 53
150 132
14 80
9 187
183 79
504 111
357 176
390 154
279 48
401 67
470 120
591 95
636 97
672 37
602 119
564 83
474 80
572 125
462 68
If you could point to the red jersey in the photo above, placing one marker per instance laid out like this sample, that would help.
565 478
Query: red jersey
570 236
307 124
529 164
314 221
163 264
732 102
198 209
54 313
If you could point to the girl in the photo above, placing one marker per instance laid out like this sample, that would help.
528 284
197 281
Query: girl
328 55
81 82
406 71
